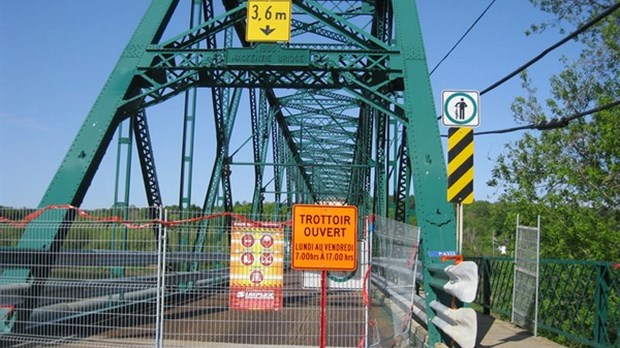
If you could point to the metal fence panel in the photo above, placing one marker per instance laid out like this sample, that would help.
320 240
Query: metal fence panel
101 282
394 269
246 293
526 281
135 278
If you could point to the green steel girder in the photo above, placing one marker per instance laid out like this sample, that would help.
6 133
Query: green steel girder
335 112
257 135
359 184
261 120
325 134
146 157
381 159
189 116
206 31
225 112
299 27
290 143
331 19
343 126
435 215
123 163
319 137
189 129
305 95
278 171
147 160
403 182
224 115
179 79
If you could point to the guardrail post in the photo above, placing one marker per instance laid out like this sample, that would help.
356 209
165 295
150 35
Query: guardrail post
486 286
601 321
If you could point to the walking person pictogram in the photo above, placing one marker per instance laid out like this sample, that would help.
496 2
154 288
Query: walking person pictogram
460 109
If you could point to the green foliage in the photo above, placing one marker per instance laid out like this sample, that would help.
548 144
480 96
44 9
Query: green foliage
570 176
486 227
477 236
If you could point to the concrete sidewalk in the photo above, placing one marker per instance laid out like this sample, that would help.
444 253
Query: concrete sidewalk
496 333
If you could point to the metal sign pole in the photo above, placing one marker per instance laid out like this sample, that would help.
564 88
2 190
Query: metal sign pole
459 208
459 229
323 308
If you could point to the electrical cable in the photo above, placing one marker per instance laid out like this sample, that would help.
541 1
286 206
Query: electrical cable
553 123
583 28
580 30
462 37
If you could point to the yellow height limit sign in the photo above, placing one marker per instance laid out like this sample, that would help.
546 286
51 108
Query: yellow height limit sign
268 21
324 237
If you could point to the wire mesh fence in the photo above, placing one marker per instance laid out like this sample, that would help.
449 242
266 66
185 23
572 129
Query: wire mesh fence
394 276
66 275
149 277
526 281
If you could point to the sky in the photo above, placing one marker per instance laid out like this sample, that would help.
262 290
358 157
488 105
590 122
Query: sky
55 57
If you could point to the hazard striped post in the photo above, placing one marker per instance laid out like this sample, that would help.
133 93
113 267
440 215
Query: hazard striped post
461 165
460 174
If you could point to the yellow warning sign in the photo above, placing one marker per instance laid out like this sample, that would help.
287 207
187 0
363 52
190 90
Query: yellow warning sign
268 21
324 237
460 165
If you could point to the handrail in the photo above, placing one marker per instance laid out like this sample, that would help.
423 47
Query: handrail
579 299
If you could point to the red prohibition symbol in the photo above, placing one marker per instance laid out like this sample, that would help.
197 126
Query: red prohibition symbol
247 240
266 259
247 259
266 241
256 277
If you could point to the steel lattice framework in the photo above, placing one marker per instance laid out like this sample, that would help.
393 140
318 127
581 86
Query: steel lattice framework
337 113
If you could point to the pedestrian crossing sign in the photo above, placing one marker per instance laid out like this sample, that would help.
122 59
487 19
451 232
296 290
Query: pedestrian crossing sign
460 108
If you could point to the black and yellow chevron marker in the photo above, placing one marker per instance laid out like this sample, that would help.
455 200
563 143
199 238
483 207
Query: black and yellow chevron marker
461 165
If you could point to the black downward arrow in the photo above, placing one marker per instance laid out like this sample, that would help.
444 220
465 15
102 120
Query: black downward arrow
267 30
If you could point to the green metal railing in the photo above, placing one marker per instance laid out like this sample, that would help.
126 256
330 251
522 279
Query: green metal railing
579 301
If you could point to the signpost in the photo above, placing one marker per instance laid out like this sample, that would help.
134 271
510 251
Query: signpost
460 174
325 239
460 110
268 21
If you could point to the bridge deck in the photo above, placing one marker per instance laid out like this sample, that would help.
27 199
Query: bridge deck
491 333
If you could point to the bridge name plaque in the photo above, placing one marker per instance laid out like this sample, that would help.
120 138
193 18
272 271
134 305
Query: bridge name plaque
268 54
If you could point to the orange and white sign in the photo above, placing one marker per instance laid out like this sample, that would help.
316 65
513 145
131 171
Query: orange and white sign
256 266
324 237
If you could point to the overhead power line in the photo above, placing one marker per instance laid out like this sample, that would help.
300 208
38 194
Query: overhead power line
583 28
462 37
574 34
553 123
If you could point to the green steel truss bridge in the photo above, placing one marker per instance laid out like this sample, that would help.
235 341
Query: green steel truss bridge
343 113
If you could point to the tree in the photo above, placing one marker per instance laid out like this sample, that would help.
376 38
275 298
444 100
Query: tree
477 232
571 175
